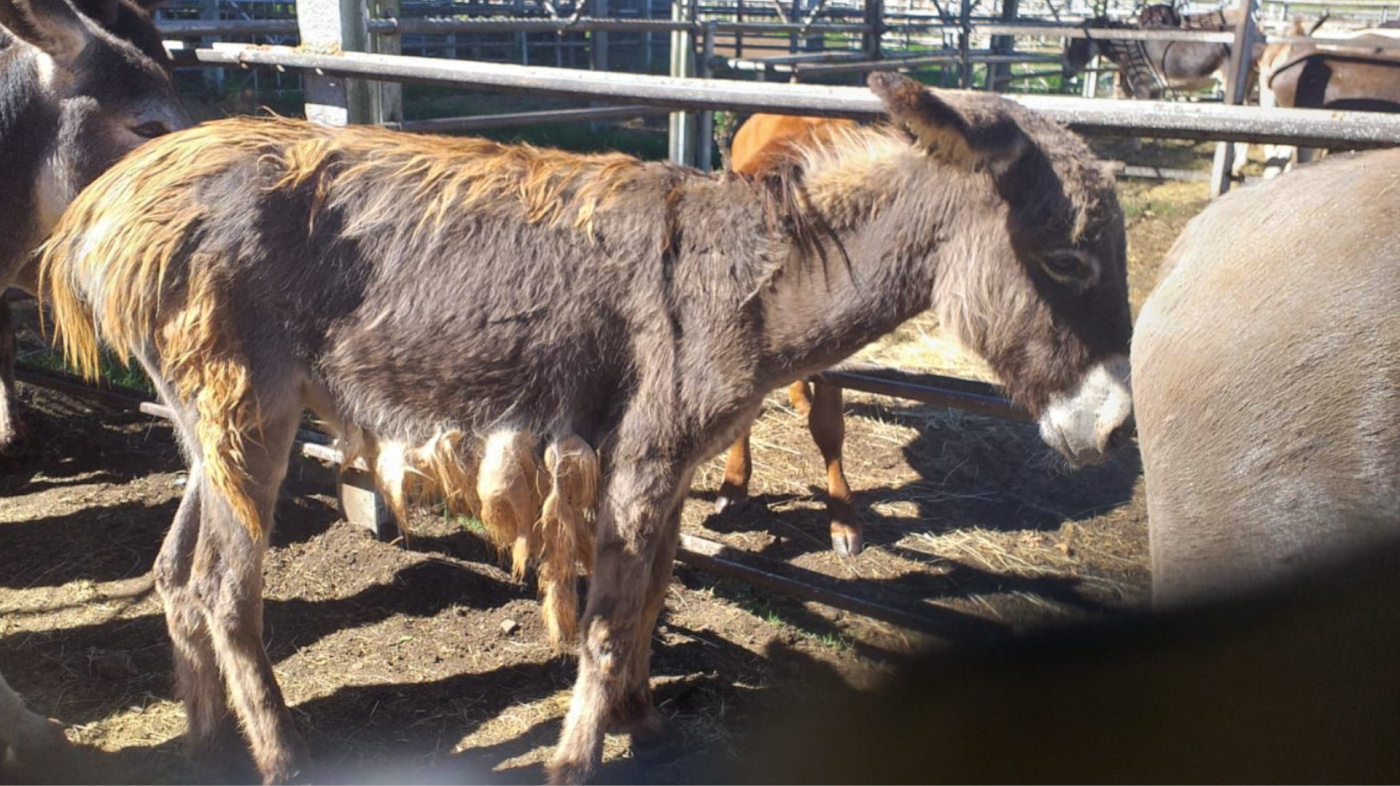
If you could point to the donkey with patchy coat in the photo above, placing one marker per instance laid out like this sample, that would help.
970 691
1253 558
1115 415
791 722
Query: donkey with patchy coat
409 287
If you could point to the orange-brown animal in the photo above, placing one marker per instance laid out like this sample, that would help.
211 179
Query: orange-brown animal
760 144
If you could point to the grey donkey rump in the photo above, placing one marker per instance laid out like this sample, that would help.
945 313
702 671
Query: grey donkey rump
1266 372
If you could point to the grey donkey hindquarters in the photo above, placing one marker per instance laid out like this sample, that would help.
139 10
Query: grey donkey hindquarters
1266 373
409 287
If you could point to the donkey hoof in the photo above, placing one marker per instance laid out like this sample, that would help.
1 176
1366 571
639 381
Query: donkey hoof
847 544
733 503
653 743
12 441
567 771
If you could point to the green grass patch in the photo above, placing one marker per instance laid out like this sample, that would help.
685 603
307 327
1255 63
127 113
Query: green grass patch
112 371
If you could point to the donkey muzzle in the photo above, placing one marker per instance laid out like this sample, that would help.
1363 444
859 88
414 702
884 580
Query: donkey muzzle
1089 422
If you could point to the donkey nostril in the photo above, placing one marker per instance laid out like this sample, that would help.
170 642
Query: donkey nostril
1121 436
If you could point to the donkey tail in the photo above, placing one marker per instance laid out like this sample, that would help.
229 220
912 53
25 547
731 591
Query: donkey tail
124 268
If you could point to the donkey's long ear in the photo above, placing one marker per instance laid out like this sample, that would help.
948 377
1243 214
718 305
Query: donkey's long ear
51 25
986 139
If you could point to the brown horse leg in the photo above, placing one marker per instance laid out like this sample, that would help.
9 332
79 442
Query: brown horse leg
829 432
800 396
738 469
734 491
635 530
11 430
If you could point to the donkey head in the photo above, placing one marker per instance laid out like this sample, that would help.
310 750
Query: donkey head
1078 52
101 96
1033 270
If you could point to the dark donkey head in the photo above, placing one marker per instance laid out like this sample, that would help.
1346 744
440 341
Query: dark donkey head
1033 275
77 92
74 98
1079 51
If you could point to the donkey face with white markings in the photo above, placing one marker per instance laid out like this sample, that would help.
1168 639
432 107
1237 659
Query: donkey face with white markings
74 98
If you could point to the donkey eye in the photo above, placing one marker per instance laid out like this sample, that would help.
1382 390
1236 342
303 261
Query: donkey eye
1070 267
150 130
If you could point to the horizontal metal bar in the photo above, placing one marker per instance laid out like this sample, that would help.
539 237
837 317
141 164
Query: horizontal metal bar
1177 120
516 119
950 56
1161 173
810 585
390 26
929 389
192 28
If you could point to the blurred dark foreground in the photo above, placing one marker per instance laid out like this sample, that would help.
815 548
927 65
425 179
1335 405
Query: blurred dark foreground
1297 684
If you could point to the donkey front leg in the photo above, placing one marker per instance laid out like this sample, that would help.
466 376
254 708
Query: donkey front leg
11 429
828 425
637 535
27 741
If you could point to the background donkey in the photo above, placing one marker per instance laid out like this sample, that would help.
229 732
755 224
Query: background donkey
1266 369
1319 77
764 144
74 98
1153 69
411 287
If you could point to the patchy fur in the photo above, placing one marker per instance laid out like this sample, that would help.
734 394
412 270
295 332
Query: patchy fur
423 292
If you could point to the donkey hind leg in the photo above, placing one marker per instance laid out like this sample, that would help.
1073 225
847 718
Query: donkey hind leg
800 396
222 581
636 528
738 469
11 429
231 567
828 425
212 733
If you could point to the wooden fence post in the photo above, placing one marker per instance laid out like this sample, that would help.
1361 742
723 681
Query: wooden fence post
335 26
386 97
1236 92
343 25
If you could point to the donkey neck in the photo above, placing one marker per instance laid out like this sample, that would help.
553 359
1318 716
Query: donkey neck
877 265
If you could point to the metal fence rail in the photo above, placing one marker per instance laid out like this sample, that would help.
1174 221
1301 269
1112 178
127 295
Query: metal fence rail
1307 127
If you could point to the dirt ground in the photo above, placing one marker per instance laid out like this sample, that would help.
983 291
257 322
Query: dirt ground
427 664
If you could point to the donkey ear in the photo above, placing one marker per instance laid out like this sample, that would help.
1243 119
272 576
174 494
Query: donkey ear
52 26
970 141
